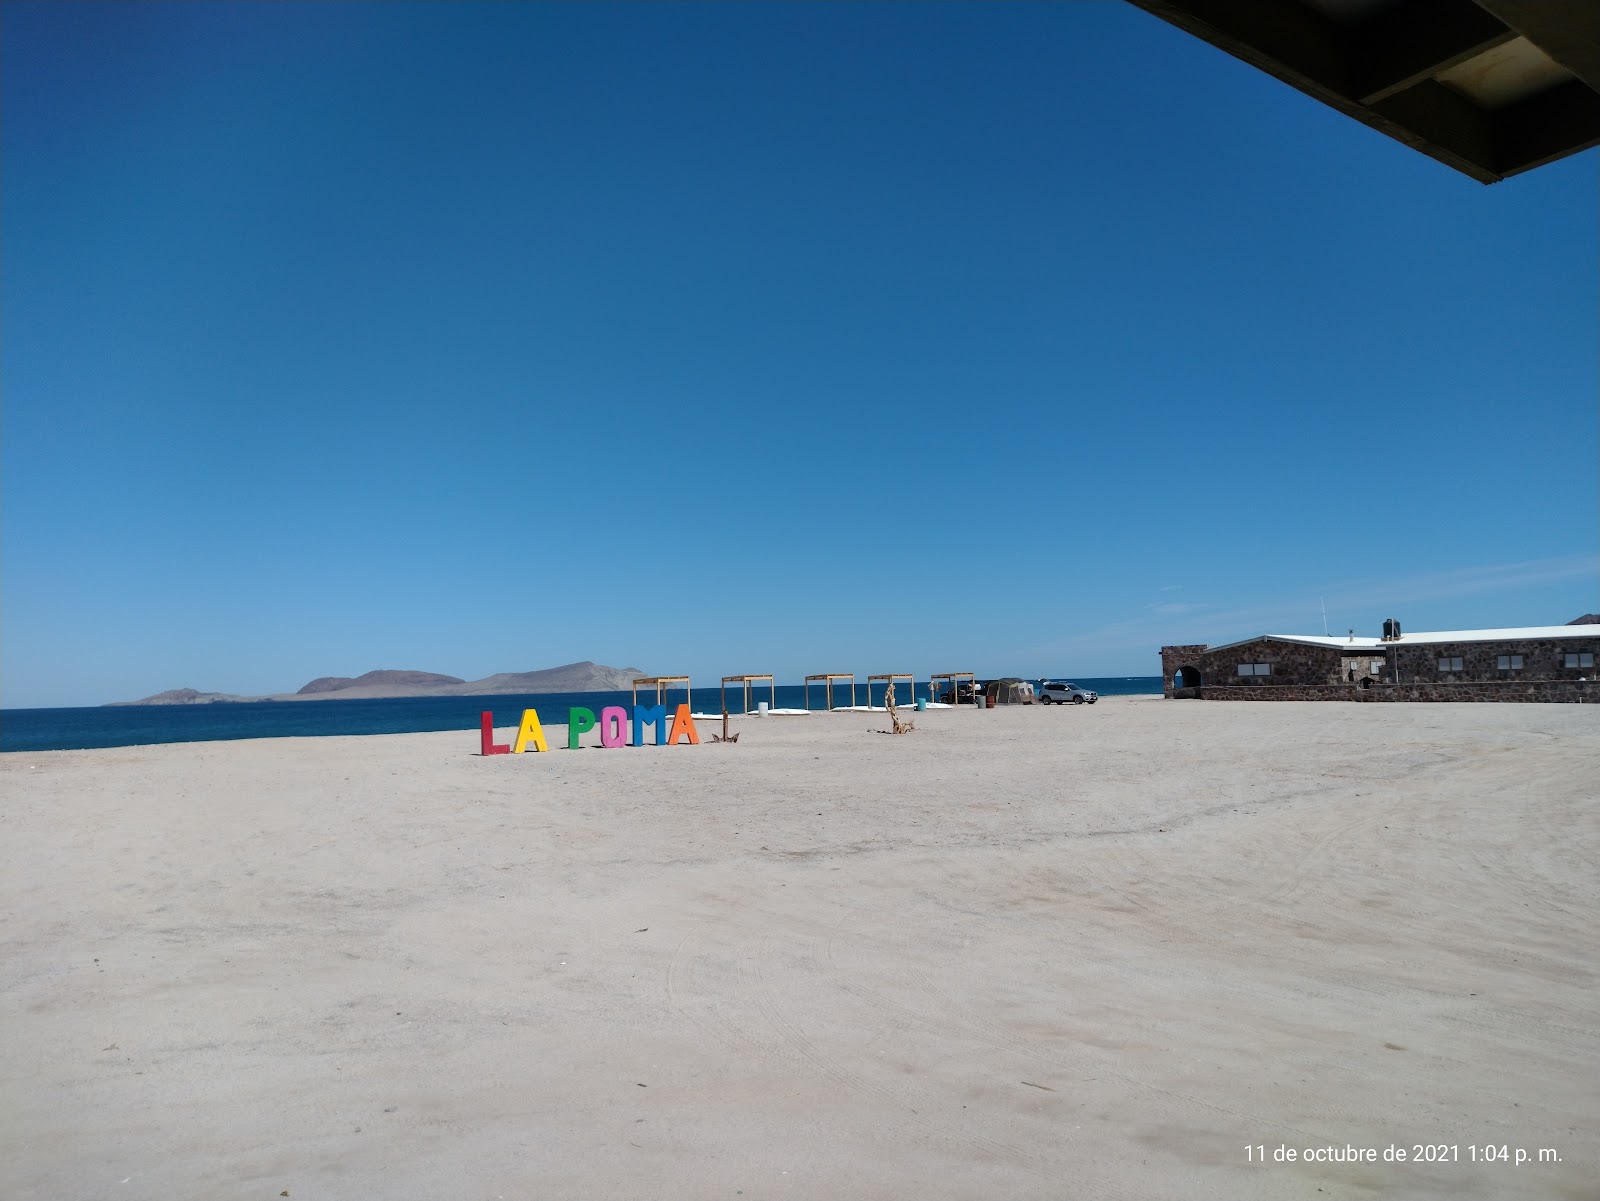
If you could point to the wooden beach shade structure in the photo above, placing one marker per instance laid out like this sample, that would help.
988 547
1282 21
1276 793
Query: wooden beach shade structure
954 677
827 678
888 678
747 681
661 684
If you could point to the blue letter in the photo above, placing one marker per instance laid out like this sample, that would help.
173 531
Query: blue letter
647 715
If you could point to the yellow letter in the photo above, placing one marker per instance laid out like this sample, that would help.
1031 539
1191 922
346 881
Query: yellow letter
532 732
683 724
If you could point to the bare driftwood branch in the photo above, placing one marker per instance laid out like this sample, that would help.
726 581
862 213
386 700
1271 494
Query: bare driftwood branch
900 727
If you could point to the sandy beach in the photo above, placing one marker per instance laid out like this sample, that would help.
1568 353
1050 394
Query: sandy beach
1025 953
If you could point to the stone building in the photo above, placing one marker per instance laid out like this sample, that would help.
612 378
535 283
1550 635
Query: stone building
1536 663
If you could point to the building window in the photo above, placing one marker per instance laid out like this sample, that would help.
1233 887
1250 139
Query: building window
1509 663
1450 664
1255 669
1581 659
1377 666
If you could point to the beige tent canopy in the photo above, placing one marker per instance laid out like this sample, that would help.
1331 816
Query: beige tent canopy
888 678
747 681
1010 691
660 684
827 678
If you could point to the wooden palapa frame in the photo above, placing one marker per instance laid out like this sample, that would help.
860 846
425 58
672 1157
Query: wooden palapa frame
747 681
889 677
660 683
953 676
828 677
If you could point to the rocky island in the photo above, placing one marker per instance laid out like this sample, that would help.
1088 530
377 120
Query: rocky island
586 676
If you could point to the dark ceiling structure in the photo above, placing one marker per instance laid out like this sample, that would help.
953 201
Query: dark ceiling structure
1490 87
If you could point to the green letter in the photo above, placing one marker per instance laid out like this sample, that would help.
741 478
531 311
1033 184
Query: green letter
579 722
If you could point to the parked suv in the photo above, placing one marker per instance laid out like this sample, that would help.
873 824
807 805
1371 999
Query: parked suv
1055 692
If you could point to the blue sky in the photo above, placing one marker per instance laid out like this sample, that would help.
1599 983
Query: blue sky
713 339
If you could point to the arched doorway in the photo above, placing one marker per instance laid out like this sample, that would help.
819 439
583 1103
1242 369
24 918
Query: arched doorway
1186 677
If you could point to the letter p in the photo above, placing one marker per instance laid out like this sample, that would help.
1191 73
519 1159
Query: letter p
579 722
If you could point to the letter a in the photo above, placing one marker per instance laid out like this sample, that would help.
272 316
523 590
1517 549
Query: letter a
531 731
683 723
490 746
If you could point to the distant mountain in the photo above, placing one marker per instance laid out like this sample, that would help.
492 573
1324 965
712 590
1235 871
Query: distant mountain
187 696
586 676
572 677
1588 619
419 679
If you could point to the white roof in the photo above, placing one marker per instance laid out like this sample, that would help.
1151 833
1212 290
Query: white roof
1431 637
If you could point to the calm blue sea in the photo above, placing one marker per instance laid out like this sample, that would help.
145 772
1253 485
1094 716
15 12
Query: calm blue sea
137 725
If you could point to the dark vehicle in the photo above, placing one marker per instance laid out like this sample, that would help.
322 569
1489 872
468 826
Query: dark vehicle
964 694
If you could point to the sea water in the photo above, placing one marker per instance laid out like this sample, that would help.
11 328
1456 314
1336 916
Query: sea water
138 725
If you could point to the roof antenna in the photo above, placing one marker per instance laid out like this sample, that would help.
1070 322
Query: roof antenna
1324 605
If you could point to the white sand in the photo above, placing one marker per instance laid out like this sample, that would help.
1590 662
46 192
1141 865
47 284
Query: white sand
1024 953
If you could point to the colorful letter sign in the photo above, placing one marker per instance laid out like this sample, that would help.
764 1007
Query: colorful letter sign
531 731
683 725
648 715
490 746
579 722
613 722
613 726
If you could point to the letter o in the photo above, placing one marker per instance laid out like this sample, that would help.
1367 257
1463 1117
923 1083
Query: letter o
613 726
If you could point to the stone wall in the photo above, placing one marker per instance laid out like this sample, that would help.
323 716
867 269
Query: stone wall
1305 672
1174 657
1569 691
1292 663
1542 659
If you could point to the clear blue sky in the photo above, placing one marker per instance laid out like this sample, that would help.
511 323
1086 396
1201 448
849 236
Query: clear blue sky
711 339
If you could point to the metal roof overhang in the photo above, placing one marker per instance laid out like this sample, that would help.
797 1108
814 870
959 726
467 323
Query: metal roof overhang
1362 646
1490 87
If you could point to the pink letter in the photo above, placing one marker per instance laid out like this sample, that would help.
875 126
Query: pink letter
613 726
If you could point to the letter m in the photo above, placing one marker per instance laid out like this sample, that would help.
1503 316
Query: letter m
648 715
